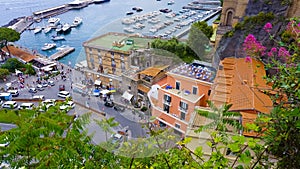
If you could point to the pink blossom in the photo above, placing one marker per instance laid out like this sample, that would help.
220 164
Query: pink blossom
282 52
268 26
273 49
248 59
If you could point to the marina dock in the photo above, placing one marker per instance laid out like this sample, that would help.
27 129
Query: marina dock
181 34
61 53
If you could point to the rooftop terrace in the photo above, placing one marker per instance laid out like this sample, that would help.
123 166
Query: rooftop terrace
195 70
119 41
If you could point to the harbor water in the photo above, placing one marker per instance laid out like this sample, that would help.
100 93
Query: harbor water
97 19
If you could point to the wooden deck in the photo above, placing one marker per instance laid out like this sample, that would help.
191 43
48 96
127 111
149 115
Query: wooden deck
62 53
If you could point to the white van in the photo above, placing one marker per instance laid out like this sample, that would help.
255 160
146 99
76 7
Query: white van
10 105
28 106
14 93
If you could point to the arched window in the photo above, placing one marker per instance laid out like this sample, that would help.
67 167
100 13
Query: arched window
229 17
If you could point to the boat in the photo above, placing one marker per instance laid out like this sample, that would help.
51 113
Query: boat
59 29
48 46
129 13
47 29
57 38
66 28
129 30
78 4
38 29
166 10
171 2
53 22
77 21
139 9
100 1
138 26
62 47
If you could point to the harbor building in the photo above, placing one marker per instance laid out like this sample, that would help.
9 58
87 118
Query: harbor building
174 98
108 56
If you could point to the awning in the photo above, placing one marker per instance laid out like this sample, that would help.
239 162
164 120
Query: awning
127 96
104 91
97 82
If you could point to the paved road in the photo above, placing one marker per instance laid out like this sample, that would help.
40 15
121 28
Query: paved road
125 119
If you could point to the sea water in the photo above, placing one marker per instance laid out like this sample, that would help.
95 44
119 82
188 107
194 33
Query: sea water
97 19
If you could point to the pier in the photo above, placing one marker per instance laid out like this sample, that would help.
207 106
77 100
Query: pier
181 34
61 53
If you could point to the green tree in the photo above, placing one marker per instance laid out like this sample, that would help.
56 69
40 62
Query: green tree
198 39
8 35
29 69
106 125
3 73
12 64
220 117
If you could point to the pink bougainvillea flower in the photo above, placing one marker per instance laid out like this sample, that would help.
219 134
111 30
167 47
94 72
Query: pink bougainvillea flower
248 59
268 26
273 49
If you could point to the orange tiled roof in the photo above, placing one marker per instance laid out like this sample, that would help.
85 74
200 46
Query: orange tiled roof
153 71
27 57
240 84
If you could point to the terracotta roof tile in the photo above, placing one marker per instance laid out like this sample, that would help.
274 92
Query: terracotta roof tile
26 56
240 84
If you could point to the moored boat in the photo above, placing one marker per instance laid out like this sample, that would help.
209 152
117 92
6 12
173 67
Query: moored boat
100 1
77 21
66 27
47 29
57 38
129 30
53 22
48 46
38 29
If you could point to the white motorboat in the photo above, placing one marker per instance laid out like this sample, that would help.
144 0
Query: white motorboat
62 47
58 29
77 21
57 38
47 29
66 27
53 22
129 30
38 29
48 46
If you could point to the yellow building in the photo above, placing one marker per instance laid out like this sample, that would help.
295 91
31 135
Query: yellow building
108 56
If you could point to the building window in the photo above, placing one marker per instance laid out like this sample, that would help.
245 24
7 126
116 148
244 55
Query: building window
183 105
177 125
182 115
129 87
166 108
208 93
195 90
177 85
122 57
100 61
148 64
167 98
90 50
112 55
122 66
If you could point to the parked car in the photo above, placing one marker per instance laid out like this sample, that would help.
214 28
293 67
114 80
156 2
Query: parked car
117 139
64 94
96 93
51 83
39 87
38 97
69 105
109 104
28 106
32 90
62 87
14 93
10 105
49 102
45 84
119 108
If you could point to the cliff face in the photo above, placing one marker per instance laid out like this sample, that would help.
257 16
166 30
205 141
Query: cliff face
232 46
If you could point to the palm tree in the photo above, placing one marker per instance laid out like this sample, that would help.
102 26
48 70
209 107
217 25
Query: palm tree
221 118
106 125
